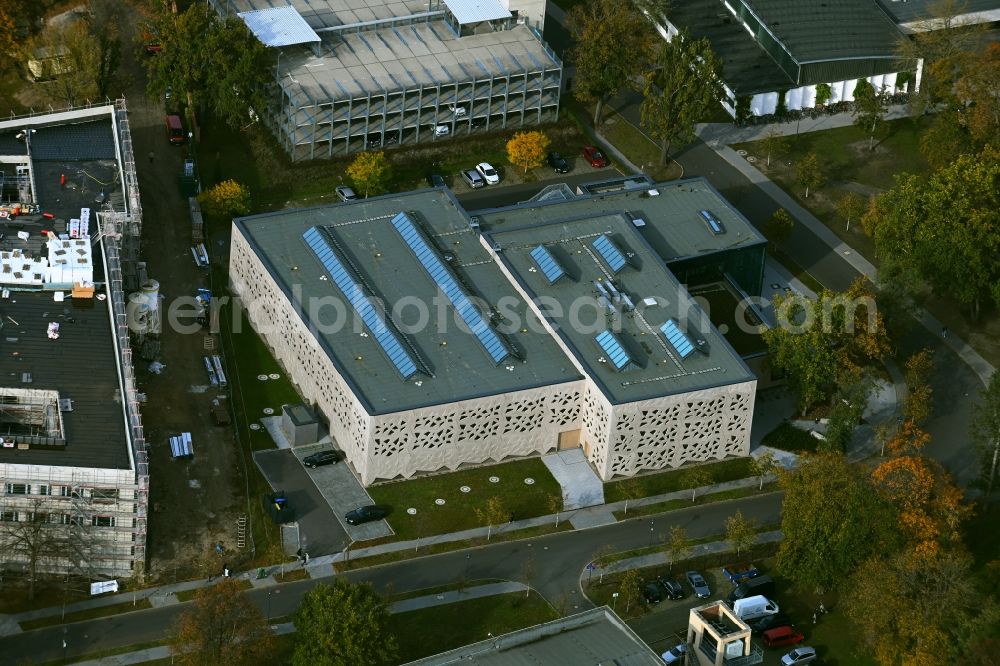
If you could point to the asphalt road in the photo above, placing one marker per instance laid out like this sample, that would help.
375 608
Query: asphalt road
558 561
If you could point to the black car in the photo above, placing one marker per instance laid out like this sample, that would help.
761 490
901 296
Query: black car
436 180
671 589
558 163
365 514
769 622
331 457
652 593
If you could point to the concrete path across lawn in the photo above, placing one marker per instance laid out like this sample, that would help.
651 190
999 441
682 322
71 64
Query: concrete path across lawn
581 487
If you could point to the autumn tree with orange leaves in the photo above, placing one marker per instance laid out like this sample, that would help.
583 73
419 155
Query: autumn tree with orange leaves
222 627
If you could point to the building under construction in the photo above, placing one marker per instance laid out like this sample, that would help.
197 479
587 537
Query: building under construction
74 477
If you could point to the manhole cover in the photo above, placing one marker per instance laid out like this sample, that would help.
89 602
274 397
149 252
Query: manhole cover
262 378
775 285
411 511
494 479
268 410
742 153
529 481
466 489
274 375
439 502
751 159
255 426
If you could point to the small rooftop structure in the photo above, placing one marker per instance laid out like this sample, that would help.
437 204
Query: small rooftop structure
279 26
717 637
477 11
590 638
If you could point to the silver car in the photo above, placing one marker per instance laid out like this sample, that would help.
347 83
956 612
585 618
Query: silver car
345 193
800 655
698 584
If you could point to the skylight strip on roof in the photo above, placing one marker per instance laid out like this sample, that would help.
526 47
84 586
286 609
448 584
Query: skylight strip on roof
610 253
447 283
547 264
677 339
373 320
714 224
613 350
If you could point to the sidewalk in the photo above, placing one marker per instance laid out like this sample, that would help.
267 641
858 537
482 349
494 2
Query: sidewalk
402 606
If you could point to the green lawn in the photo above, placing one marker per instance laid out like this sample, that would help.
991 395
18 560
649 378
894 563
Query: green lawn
674 480
699 500
520 500
789 438
432 630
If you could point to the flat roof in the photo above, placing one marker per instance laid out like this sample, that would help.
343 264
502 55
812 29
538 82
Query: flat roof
908 11
746 68
279 26
81 365
593 637
409 56
476 11
636 362
818 31
452 363
674 226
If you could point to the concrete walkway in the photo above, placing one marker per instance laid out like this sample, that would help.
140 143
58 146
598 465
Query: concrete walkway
581 487
402 606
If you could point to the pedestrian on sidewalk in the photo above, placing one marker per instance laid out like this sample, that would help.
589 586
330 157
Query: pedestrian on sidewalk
225 572
814 618
944 332
822 608
151 155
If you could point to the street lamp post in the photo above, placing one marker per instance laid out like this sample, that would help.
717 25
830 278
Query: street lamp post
614 600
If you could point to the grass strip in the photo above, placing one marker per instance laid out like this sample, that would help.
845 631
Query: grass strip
675 504
189 595
88 614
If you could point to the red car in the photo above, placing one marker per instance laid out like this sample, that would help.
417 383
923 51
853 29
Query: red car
595 157
782 636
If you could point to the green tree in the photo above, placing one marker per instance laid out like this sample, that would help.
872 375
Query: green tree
343 624
630 489
211 61
225 200
945 139
848 407
817 341
370 172
528 149
944 228
779 227
900 623
976 89
823 93
613 44
809 173
773 142
629 588
222 625
821 547
869 109
555 503
697 477
740 532
685 82
493 513
985 430
678 545
852 206
917 404
763 465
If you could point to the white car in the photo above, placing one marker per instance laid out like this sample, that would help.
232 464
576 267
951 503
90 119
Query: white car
488 173
800 655
675 654
442 130
458 110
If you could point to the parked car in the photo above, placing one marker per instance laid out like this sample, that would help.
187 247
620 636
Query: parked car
277 506
671 588
698 584
345 193
758 585
473 179
594 157
782 636
458 110
488 173
442 130
558 162
652 593
175 130
800 655
751 608
769 622
674 655
365 514
330 457
436 180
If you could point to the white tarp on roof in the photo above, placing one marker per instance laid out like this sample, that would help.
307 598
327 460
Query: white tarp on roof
474 11
279 26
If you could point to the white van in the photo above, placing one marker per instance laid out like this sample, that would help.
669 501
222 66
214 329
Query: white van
752 608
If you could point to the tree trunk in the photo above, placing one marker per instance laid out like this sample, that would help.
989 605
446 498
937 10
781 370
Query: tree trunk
598 112
664 150
807 192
